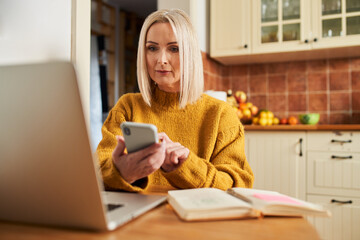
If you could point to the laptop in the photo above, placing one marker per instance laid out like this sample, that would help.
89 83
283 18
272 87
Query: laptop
48 174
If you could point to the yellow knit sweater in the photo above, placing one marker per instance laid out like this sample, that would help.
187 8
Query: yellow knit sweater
209 128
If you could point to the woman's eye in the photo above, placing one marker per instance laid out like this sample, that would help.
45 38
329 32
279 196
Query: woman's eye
174 49
151 48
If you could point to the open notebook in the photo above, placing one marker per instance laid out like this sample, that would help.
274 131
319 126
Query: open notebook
212 203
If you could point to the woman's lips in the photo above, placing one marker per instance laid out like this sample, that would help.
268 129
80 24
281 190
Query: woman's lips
162 71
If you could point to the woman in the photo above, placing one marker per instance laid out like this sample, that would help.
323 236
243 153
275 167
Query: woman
202 140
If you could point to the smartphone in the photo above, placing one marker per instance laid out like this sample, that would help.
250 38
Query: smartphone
138 135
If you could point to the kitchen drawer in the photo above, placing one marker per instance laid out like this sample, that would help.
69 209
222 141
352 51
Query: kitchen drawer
345 219
343 141
336 176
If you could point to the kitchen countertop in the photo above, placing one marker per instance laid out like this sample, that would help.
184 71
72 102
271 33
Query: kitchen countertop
303 127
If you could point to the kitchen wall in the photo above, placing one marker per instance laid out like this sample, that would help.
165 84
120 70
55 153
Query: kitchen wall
330 87
41 30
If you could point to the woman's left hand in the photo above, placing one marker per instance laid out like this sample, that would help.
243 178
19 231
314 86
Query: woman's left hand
175 153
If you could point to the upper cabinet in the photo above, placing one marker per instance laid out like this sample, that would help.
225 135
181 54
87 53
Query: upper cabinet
279 30
230 27
280 25
336 23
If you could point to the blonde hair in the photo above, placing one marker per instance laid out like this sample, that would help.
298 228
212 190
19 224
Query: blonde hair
191 67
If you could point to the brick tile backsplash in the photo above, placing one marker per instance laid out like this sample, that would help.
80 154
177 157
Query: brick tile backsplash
355 64
339 81
297 82
355 80
239 83
241 70
318 102
277 83
317 66
330 87
339 64
257 69
298 66
259 100
340 102
340 118
356 100
317 81
258 84
297 102
277 103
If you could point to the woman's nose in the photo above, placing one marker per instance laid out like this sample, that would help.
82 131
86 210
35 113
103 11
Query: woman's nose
163 58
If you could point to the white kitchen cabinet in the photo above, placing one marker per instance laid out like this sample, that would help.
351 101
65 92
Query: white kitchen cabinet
230 28
277 159
283 30
281 25
345 219
333 180
335 23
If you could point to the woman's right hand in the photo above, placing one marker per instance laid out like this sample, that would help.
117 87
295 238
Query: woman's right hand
137 165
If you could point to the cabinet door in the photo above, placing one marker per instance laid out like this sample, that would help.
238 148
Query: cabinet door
335 141
345 219
335 23
337 173
280 25
277 160
229 27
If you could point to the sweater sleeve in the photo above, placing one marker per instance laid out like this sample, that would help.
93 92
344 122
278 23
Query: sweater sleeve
227 167
111 176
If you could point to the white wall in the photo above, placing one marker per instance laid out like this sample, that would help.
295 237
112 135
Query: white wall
198 10
34 30
80 48
46 30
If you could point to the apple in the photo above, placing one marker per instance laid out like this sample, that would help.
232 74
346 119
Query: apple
239 113
283 121
247 113
243 106
240 96
254 110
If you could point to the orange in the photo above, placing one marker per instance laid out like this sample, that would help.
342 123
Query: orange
292 120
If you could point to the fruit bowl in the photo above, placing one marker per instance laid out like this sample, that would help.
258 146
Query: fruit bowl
309 118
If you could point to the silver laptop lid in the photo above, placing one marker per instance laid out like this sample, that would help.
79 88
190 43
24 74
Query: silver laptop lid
47 172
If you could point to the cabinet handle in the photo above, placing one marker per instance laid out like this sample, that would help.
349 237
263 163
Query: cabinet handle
342 202
300 140
341 157
340 141
306 41
245 46
315 39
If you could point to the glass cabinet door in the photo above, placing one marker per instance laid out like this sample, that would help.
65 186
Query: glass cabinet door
340 18
280 21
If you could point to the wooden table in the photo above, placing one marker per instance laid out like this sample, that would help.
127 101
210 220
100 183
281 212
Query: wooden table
162 223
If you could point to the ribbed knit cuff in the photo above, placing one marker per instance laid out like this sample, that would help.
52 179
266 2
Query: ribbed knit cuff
191 174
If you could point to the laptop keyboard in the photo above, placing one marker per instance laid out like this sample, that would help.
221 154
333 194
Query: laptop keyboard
111 206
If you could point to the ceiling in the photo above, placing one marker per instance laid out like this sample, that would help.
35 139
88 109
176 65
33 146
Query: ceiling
141 7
